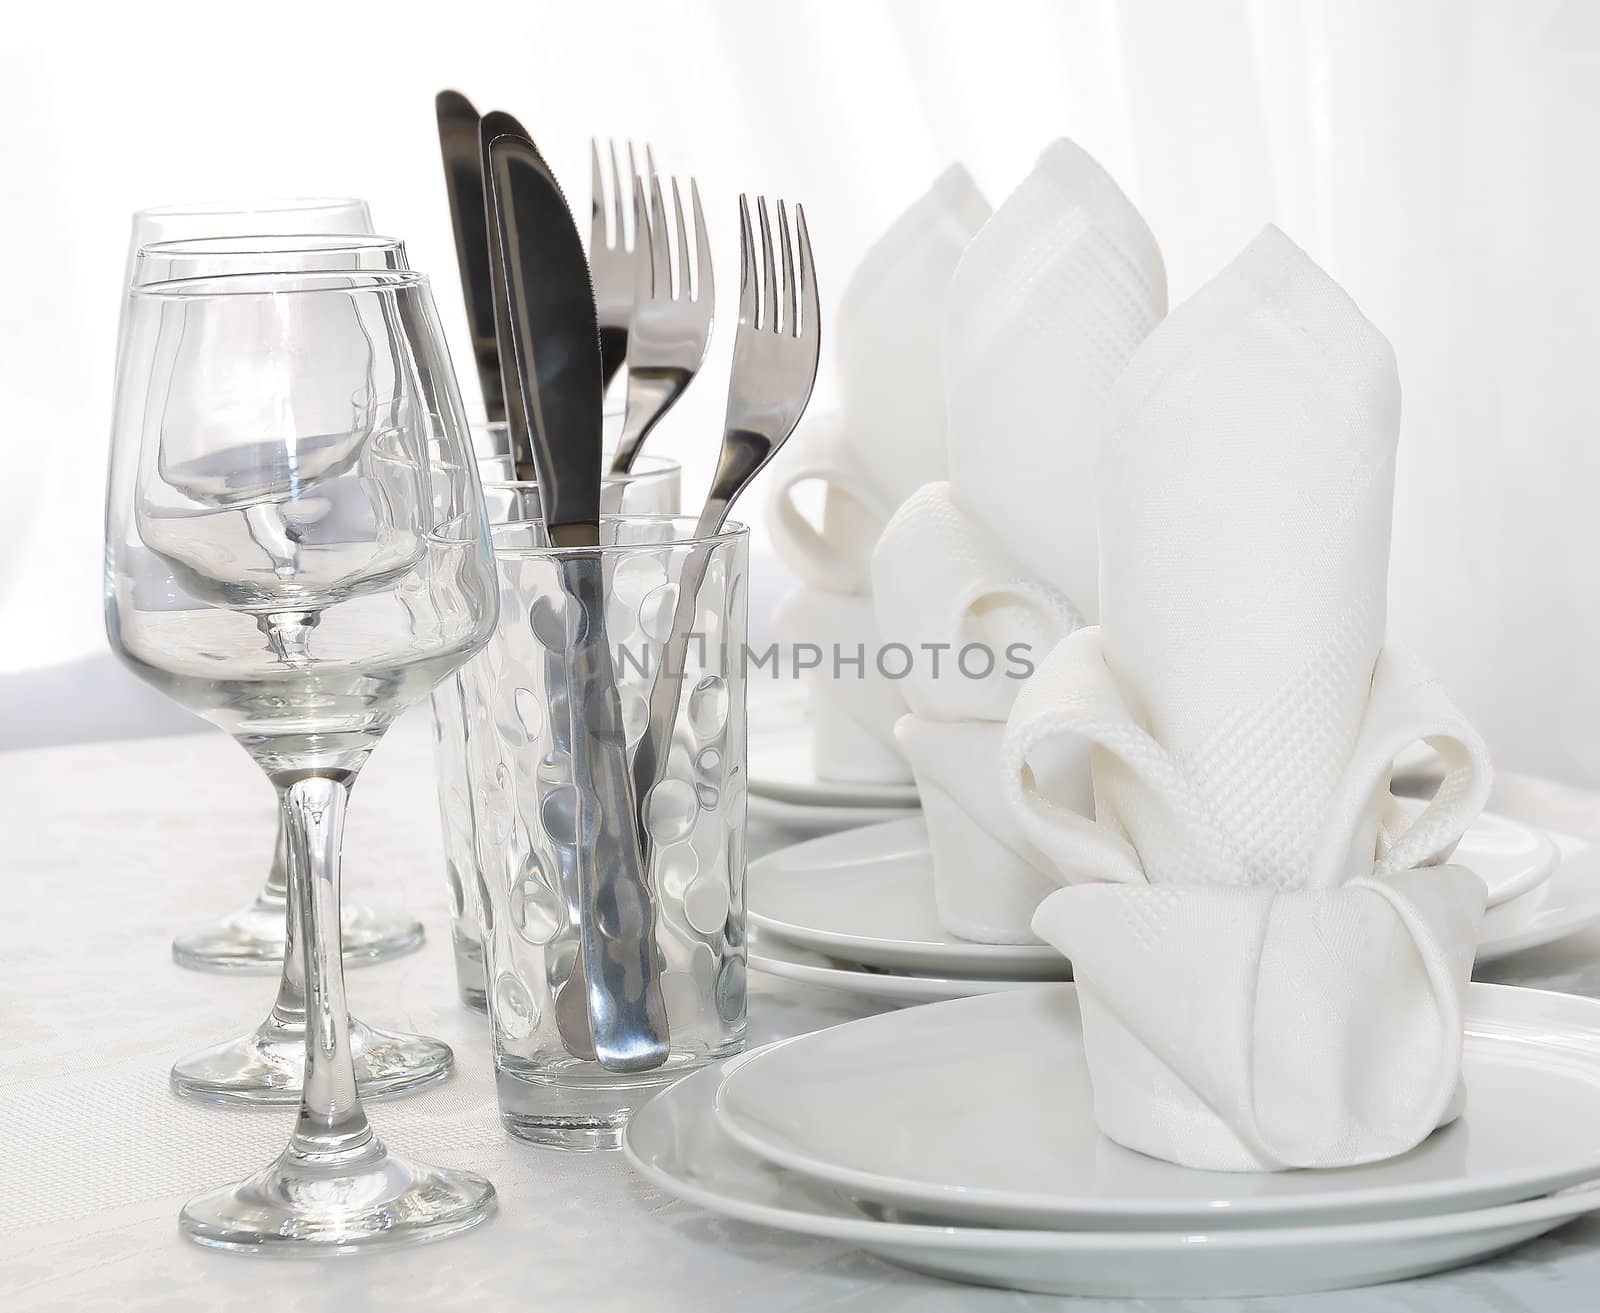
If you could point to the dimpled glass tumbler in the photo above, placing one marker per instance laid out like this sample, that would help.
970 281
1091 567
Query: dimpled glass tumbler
652 487
531 853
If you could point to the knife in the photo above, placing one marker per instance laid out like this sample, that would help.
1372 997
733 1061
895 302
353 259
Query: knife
554 347
463 180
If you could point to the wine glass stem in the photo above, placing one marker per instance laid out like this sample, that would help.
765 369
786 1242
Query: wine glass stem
276 889
331 1125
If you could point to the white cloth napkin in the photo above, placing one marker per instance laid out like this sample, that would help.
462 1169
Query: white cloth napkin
988 879
990 570
1048 304
1268 980
854 705
886 440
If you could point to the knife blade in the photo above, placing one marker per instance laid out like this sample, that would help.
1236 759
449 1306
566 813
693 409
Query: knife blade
554 342
463 180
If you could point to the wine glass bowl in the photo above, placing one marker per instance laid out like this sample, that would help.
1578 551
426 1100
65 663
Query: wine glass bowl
170 243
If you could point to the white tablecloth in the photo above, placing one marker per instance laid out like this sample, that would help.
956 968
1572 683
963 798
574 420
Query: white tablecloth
111 847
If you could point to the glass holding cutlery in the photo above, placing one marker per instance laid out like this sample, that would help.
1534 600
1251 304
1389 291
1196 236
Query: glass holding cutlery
531 845
297 550
187 241
652 487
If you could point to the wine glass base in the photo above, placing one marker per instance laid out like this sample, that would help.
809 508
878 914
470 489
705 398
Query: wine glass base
252 940
267 1066
296 1210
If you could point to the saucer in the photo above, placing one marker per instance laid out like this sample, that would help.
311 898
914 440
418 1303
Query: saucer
948 1077
675 1143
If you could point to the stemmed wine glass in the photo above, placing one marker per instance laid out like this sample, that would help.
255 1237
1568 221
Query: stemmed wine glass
297 549
268 1064
252 938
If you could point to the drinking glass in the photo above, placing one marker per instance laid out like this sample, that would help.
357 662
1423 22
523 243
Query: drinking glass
266 237
268 1064
297 550
652 487
533 847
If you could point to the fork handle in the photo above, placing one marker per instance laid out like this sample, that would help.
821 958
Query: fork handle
650 396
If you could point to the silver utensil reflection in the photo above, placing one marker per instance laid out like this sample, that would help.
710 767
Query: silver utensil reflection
669 331
774 368
611 1007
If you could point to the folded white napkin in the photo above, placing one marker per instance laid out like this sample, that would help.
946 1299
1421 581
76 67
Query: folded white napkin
835 552
886 440
1267 978
988 879
854 705
989 571
1048 304
978 622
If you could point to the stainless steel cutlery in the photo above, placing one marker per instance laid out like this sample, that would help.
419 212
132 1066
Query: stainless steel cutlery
554 340
463 177
671 324
561 327
775 353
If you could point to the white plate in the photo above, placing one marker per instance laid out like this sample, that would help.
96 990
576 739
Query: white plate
775 957
866 896
674 1141
980 1112
818 819
1562 906
781 769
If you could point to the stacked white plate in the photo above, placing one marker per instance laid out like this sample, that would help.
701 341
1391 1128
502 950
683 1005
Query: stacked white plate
786 789
959 1139
854 911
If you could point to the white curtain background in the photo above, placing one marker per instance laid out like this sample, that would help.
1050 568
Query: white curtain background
1437 156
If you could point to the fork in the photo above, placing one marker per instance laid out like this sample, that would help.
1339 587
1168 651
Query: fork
774 369
611 259
669 331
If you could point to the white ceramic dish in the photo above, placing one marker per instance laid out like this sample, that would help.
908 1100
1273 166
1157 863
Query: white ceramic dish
866 896
776 957
674 1141
992 1119
1565 904
781 769
818 819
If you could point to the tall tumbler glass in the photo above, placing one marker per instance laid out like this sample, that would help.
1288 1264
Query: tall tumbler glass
652 487
532 853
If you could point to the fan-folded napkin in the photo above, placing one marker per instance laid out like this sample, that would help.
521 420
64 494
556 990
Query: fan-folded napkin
984 574
1271 960
887 439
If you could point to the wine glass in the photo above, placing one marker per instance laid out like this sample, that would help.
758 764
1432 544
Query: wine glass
292 464
268 1064
265 236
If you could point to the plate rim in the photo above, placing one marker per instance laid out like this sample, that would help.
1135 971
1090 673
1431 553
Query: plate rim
930 1196
995 958
859 1229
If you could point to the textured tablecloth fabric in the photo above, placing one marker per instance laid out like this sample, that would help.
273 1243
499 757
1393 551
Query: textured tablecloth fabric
110 848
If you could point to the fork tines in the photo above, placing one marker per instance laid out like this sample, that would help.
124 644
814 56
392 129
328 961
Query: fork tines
611 251
759 309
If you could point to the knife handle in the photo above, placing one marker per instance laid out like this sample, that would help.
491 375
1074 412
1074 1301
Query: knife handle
627 1013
